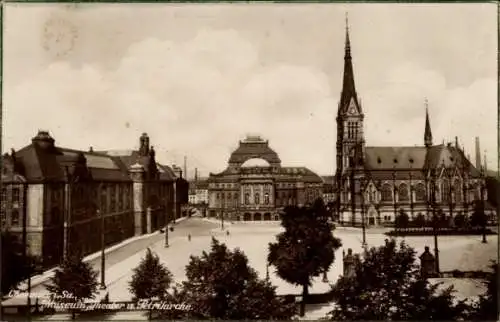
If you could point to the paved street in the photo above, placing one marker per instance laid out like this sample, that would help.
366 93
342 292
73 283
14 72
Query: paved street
116 258
456 252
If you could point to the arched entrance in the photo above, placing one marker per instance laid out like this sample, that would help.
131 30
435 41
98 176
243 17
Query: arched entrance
372 217
257 216
247 216
267 216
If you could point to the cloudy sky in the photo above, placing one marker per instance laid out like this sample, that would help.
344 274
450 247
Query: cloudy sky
198 78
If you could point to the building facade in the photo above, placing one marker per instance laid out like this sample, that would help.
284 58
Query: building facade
249 191
62 201
376 183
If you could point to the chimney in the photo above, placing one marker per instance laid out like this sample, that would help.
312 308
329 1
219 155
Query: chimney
144 144
456 142
478 154
185 167
195 174
485 164
91 149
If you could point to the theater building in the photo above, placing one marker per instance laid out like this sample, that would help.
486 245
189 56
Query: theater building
377 182
255 186
63 200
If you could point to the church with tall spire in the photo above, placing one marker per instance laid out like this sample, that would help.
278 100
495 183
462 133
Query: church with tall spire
374 184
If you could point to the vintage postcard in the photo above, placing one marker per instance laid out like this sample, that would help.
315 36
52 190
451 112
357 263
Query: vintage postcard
240 161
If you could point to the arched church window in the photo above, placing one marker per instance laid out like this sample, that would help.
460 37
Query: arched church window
386 192
420 192
257 198
403 193
446 190
457 191
266 199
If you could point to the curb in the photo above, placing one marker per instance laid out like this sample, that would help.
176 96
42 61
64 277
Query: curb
39 279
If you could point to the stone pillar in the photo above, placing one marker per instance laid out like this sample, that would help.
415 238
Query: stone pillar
137 174
148 220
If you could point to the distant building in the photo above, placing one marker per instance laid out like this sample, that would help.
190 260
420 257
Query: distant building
328 189
57 196
379 182
255 186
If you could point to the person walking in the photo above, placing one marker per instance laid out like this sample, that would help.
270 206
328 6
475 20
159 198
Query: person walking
189 237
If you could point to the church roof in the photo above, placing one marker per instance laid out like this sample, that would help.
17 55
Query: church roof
386 163
382 157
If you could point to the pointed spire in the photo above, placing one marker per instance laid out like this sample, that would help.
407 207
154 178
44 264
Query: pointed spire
348 87
427 132
347 40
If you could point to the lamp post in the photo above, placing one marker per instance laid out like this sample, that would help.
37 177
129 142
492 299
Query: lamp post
103 244
267 270
435 221
482 207
394 194
363 224
167 221
411 189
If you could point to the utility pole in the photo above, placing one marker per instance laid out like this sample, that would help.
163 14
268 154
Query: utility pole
103 243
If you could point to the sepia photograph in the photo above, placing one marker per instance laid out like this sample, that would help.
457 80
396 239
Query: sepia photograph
249 161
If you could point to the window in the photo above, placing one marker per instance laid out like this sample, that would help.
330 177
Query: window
15 195
266 199
14 219
4 195
112 203
120 197
386 192
457 190
247 198
3 217
218 196
235 196
257 198
403 193
104 196
446 191
420 192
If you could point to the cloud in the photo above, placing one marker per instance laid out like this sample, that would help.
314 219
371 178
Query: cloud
195 98
199 93
395 114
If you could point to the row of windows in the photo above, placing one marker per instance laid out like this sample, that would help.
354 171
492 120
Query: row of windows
352 130
14 217
16 193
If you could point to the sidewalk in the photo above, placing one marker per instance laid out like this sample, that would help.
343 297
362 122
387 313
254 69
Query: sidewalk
95 258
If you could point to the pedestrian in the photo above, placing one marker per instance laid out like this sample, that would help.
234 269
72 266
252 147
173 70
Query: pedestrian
227 232
189 237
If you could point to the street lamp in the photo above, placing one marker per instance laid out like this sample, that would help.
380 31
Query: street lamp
435 221
482 208
363 185
103 244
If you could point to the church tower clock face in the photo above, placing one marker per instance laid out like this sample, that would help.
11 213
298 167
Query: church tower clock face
352 110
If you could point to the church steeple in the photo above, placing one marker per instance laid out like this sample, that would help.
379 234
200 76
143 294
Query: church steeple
427 132
348 87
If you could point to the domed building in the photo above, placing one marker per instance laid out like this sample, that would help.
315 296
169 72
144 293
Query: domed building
255 186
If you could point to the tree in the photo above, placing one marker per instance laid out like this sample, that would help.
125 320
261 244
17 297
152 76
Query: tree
388 286
73 281
221 285
478 217
459 220
15 267
305 249
487 306
419 221
151 279
402 220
